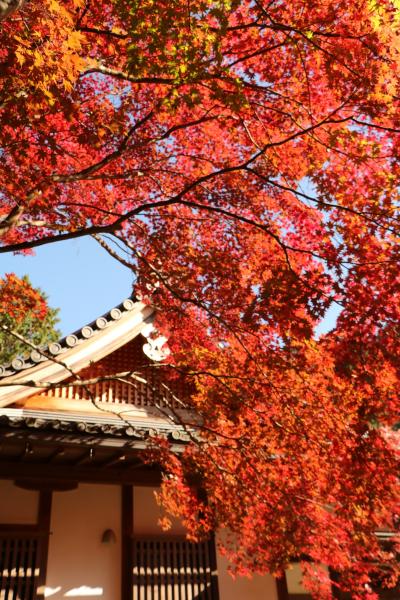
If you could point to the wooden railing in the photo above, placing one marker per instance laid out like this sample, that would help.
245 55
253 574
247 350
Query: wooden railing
156 389
119 392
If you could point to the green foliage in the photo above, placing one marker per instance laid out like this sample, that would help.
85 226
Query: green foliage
39 330
185 38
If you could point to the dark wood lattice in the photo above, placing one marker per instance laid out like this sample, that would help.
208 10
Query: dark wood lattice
19 566
158 390
174 570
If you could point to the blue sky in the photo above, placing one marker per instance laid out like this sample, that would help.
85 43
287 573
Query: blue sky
78 276
83 281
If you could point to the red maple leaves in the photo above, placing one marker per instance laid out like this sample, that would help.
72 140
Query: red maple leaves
19 299
245 156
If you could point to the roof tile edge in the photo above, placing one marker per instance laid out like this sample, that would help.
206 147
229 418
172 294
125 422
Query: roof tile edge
123 323
69 341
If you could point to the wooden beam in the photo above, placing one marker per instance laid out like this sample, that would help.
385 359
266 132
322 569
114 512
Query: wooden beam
27 451
126 542
87 456
46 486
114 460
85 474
17 528
58 452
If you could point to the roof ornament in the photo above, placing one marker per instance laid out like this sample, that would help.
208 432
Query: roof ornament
155 348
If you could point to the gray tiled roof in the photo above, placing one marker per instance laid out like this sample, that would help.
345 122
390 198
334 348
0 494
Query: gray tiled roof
39 420
69 341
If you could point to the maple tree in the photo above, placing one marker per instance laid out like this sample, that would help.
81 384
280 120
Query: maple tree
24 311
245 155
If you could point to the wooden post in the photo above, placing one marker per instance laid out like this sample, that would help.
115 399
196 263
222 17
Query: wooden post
126 542
282 589
214 569
43 524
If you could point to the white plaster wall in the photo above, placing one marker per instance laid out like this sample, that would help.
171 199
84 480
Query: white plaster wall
17 506
146 514
293 578
242 588
79 564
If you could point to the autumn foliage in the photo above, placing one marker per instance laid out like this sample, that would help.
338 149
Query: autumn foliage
245 154
25 312
18 297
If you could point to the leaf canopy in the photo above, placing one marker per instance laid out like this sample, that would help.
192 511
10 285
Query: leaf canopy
245 155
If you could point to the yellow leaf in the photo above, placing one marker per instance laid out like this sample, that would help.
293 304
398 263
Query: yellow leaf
20 57
22 41
74 39
38 59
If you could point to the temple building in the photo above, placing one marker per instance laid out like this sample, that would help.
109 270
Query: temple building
78 515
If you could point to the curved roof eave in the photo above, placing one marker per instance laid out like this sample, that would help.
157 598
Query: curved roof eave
75 352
